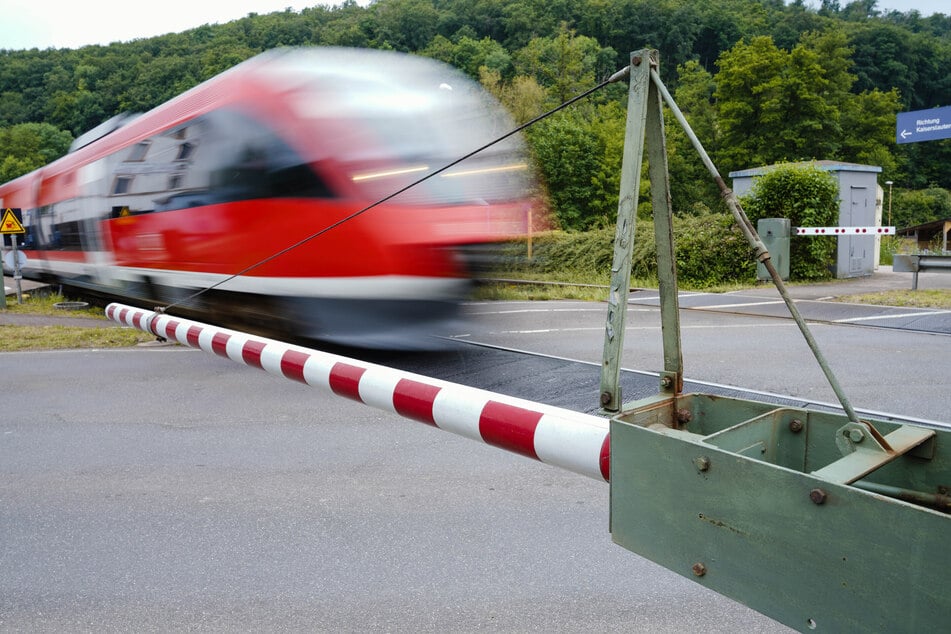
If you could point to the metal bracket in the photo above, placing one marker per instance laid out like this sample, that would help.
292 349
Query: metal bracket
864 450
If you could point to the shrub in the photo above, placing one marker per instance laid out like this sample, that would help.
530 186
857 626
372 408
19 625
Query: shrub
809 197
709 247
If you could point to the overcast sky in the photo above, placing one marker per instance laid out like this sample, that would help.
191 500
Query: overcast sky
73 23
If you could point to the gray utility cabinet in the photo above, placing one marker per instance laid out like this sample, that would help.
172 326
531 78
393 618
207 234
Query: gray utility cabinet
774 232
858 207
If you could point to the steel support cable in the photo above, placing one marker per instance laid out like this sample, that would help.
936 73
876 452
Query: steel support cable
762 254
616 77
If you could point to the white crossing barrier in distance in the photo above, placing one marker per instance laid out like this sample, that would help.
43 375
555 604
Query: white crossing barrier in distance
844 231
563 438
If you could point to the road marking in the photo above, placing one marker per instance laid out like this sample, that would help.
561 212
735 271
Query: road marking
554 310
601 328
656 296
745 305
899 316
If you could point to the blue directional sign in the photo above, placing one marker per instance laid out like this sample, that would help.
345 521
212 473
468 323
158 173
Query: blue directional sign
923 125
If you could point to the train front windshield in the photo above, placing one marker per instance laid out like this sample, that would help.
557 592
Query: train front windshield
390 120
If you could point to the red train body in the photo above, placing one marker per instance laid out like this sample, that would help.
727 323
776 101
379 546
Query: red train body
154 208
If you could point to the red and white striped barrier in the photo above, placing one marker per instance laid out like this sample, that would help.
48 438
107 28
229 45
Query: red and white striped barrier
558 437
844 231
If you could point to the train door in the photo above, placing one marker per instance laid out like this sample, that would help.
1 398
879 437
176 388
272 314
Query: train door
93 209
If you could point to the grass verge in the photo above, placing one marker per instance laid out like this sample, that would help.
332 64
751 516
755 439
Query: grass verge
20 338
15 337
933 298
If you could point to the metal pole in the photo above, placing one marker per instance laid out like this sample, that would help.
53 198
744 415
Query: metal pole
672 379
3 291
762 254
17 274
624 231
889 183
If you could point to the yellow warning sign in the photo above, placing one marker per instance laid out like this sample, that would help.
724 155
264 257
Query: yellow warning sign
10 224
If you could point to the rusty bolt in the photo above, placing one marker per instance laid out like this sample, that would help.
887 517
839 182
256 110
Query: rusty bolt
699 569
605 398
796 425
818 496
666 382
856 435
702 463
684 416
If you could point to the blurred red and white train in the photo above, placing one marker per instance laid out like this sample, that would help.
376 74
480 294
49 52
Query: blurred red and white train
156 207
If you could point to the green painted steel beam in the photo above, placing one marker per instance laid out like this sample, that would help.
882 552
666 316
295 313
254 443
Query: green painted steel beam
733 497
631 160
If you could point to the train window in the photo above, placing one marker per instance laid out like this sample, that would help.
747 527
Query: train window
185 151
253 161
69 235
138 151
240 159
122 185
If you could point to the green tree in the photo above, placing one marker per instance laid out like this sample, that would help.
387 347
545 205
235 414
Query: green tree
470 55
774 106
748 93
569 157
868 124
691 185
405 25
28 146
565 64
916 207
522 96
809 197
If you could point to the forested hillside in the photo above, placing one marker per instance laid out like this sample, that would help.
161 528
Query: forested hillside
761 82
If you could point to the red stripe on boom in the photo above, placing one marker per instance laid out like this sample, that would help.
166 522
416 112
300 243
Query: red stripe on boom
413 399
292 365
606 458
345 380
509 427
170 325
192 336
251 353
219 344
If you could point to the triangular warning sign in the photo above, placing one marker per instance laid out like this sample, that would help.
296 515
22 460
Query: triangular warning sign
10 224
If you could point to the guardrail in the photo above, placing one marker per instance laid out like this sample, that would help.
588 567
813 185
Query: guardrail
917 263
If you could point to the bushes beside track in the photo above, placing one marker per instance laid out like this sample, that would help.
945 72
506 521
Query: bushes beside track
711 251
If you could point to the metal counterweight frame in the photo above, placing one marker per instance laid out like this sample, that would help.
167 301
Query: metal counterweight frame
819 520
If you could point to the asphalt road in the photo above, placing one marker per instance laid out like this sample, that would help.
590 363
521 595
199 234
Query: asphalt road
165 489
